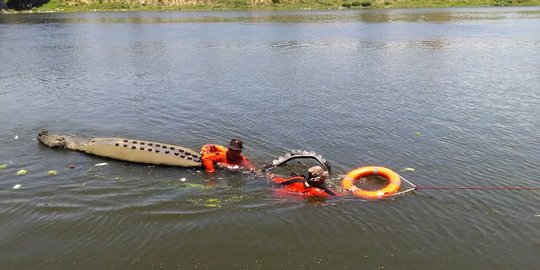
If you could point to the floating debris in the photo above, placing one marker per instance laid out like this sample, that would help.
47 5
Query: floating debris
3 166
71 166
52 173
16 137
101 164
417 134
22 172
183 179
17 186
408 169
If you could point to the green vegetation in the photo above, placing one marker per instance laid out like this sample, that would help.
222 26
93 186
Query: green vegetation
22 172
104 5
218 203
113 5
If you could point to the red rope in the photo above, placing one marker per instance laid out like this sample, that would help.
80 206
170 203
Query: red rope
479 187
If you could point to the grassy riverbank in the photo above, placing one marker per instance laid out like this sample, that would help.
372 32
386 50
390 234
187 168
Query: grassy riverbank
99 5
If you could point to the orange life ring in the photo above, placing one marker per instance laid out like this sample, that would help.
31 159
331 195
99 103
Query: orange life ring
394 182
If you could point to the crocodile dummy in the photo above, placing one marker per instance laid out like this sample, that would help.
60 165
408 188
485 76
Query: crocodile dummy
139 151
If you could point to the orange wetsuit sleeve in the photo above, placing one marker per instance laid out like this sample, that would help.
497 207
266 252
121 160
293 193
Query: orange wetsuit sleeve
287 181
212 153
317 192
278 179
208 161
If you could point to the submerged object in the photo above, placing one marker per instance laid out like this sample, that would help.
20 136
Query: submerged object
393 186
125 149
300 154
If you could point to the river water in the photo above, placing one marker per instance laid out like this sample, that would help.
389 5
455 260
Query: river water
452 93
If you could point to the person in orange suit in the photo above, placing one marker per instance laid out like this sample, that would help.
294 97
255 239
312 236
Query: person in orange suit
311 186
229 158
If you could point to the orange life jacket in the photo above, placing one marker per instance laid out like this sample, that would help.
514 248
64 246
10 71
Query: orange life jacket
213 153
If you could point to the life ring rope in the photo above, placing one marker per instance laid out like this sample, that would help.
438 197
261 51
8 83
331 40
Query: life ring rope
353 188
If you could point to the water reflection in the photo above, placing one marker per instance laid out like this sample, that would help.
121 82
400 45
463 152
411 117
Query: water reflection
288 44
367 16
435 44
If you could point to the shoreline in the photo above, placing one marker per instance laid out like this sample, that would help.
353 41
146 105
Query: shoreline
56 6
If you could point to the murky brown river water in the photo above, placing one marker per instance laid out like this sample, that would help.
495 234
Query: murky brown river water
452 93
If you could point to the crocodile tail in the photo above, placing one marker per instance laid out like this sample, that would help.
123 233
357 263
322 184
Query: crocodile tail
299 154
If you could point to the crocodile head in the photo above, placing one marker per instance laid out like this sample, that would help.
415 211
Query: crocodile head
51 140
